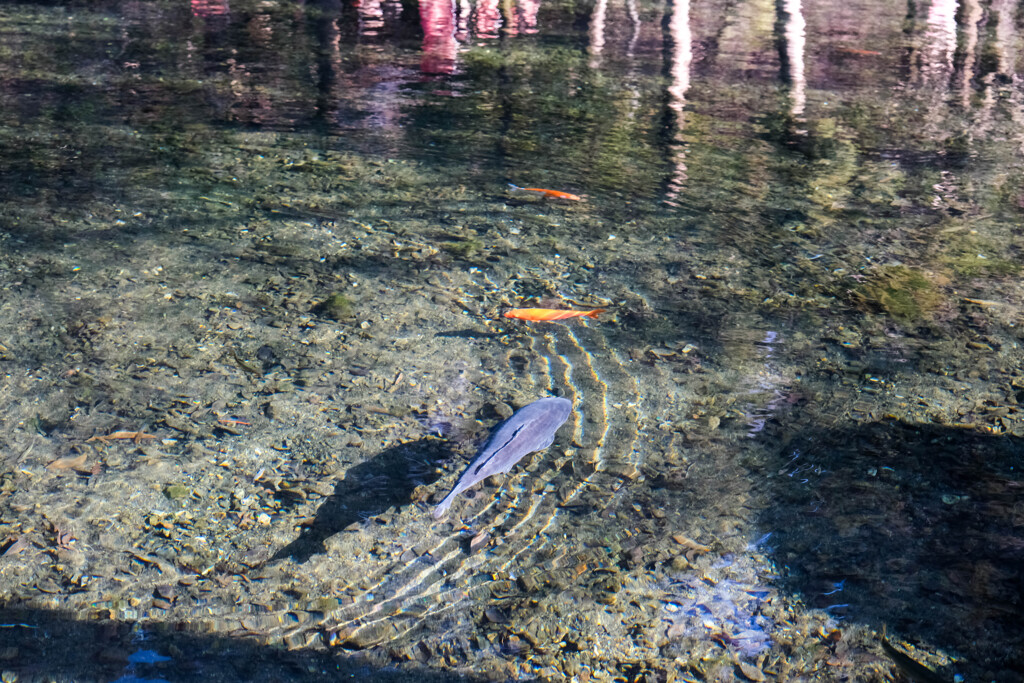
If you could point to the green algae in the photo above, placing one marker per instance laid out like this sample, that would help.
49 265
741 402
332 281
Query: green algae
907 294
969 253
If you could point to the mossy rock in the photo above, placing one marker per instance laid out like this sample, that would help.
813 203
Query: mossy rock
336 307
462 248
176 491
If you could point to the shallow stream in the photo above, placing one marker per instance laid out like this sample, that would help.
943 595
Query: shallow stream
254 260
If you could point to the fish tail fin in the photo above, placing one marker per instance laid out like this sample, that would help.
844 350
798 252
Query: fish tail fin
443 506
594 313
514 187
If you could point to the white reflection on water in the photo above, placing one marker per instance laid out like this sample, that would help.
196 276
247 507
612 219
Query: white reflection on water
526 15
634 19
681 55
371 17
939 41
794 37
597 27
730 609
1005 49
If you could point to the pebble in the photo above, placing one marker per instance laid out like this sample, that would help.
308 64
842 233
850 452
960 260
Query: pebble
751 672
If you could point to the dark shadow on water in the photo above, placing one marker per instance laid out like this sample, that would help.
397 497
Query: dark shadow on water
918 527
51 646
368 490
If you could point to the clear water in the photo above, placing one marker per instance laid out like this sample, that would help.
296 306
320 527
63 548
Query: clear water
277 240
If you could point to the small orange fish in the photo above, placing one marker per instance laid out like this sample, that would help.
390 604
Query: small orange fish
556 194
549 314
859 53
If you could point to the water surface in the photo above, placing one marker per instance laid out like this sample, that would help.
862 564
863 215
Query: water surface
254 260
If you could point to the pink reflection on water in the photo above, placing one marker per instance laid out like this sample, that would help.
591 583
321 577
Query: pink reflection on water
210 8
526 15
487 19
437 17
971 15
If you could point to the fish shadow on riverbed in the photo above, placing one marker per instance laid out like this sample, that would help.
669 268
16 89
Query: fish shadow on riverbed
368 490
920 527
469 334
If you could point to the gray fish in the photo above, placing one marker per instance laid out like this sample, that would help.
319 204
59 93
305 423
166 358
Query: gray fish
531 429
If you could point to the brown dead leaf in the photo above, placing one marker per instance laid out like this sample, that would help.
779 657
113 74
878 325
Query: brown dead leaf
164 567
689 543
134 436
70 462
19 546
63 538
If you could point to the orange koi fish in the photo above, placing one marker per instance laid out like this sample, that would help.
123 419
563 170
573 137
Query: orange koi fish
556 194
859 53
549 314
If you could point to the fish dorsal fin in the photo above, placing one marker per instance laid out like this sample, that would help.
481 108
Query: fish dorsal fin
499 449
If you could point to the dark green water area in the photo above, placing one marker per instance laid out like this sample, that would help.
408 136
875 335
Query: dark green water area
255 257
